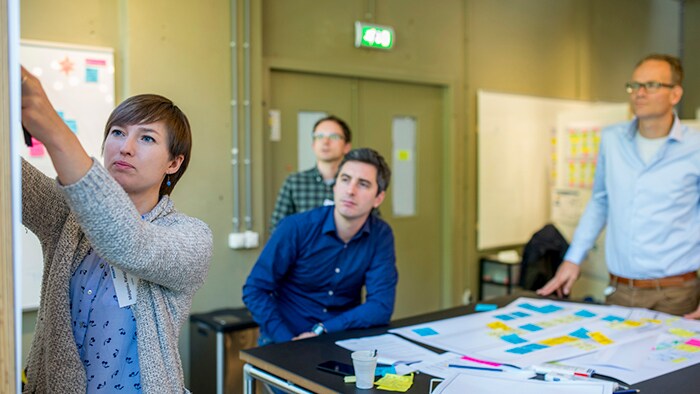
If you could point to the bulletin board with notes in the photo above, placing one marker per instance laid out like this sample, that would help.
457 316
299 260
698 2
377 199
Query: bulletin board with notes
79 82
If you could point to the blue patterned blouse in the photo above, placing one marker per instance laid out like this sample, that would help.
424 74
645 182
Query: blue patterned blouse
104 333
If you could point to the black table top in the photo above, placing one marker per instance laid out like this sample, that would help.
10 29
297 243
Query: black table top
296 361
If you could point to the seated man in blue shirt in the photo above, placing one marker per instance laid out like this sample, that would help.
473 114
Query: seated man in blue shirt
308 278
647 191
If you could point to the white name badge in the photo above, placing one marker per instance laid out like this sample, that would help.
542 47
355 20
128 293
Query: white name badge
125 286
328 202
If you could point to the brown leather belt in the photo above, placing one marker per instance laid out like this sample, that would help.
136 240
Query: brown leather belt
669 281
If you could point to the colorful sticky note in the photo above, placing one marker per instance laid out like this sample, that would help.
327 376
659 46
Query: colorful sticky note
612 318
521 314
384 370
72 125
91 75
681 332
497 325
425 331
530 347
485 307
558 340
504 317
688 348
600 338
580 333
37 148
584 313
392 382
654 321
679 360
531 327
632 323
693 342
403 155
541 309
549 308
513 338
528 306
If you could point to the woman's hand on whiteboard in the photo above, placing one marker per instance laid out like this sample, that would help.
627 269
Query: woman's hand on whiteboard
40 119
563 280
38 115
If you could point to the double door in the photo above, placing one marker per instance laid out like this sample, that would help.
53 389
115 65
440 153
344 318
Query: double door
404 123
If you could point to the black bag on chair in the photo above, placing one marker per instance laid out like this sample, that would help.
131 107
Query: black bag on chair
541 257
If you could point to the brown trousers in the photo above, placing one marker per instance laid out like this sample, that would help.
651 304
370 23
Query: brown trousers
674 300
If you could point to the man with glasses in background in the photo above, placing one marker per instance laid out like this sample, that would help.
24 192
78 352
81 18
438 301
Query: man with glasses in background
313 188
647 191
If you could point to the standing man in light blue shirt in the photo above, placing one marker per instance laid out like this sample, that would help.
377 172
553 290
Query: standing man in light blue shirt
647 191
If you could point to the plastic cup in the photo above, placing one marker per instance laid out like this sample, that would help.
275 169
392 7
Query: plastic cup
364 362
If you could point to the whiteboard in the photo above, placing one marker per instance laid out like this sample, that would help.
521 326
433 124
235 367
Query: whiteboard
79 81
517 160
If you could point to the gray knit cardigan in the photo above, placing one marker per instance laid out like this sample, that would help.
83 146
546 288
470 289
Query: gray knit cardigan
167 250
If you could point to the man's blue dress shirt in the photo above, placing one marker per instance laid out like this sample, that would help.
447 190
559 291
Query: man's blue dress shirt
652 210
306 274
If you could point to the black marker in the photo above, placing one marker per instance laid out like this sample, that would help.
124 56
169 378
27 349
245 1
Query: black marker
27 137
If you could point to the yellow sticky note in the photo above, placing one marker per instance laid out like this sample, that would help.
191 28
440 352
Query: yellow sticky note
681 332
654 321
497 325
632 323
393 382
403 155
687 348
600 338
679 360
558 340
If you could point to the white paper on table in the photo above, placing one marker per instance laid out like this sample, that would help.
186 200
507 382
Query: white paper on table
644 358
440 367
487 384
391 349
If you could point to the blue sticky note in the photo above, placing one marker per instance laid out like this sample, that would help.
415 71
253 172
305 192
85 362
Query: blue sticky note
584 313
531 327
549 308
612 318
529 306
513 338
91 75
504 317
425 331
485 307
580 333
384 370
72 124
526 349
521 314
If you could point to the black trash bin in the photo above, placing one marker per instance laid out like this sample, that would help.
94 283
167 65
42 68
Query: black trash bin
216 338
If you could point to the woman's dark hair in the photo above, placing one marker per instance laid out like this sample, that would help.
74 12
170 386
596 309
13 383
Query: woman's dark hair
150 108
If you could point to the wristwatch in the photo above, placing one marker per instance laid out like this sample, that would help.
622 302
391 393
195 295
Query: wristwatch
318 329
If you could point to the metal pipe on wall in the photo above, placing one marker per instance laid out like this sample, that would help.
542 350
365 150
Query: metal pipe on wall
247 117
234 116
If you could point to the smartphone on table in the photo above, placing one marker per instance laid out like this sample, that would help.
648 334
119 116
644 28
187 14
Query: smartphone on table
337 368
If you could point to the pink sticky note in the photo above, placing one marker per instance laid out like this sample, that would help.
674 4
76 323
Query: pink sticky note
37 148
693 342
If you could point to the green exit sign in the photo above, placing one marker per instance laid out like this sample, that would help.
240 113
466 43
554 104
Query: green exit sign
373 36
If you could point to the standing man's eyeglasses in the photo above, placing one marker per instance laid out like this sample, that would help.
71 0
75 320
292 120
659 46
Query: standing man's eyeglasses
650 87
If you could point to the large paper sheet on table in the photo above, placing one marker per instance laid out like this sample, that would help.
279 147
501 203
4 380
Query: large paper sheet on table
531 331
676 346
